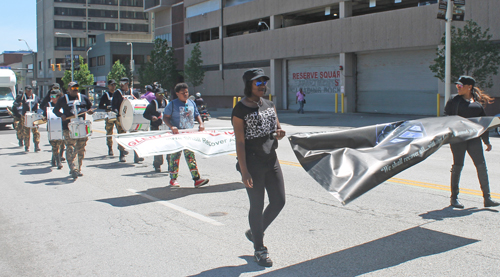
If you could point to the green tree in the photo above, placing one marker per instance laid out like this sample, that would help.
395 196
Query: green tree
82 75
472 54
162 66
193 71
117 72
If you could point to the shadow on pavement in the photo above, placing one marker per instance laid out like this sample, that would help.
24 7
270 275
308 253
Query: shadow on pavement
450 212
53 181
33 171
114 165
235 270
378 254
168 193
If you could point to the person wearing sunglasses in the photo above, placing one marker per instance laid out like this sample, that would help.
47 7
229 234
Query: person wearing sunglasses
71 105
257 131
181 113
28 102
46 99
105 104
57 144
153 113
469 103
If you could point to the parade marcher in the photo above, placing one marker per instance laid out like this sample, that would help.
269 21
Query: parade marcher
29 103
469 103
17 114
153 113
257 129
73 104
47 99
180 113
150 94
115 106
105 104
57 145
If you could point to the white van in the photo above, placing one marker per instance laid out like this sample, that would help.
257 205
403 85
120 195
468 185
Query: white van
7 95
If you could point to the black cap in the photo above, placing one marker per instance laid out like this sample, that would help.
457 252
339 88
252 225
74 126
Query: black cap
28 87
73 84
55 85
466 80
159 90
254 73
124 79
111 82
149 88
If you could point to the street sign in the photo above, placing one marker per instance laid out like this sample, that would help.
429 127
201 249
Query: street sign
33 83
458 10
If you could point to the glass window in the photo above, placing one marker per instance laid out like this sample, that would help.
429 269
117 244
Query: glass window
92 62
230 3
69 11
71 1
201 8
134 15
131 3
101 60
134 27
6 93
92 40
104 2
79 25
103 13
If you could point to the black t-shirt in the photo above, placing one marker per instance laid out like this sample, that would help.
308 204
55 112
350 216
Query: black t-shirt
66 105
259 125
461 107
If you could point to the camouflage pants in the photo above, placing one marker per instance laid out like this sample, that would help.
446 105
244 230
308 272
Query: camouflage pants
57 146
74 147
109 130
26 134
18 127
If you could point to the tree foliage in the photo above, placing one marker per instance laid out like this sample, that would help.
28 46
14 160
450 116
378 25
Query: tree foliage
117 72
161 68
472 54
82 75
193 71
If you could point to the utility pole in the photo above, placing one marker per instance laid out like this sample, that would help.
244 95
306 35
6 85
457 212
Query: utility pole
447 70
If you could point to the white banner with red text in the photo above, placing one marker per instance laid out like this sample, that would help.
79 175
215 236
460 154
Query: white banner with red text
208 143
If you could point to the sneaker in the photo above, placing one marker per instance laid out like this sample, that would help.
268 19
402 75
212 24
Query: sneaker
157 169
200 182
74 174
261 256
174 183
122 159
488 202
249 235
80 174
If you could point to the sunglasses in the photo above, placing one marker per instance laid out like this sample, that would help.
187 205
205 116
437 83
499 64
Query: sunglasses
53 96
75 88
186 107
263 83
459 86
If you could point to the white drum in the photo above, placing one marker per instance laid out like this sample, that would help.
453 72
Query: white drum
32 119
131 115
54 125
99 116
80 128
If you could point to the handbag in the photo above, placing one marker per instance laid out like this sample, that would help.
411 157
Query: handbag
304 100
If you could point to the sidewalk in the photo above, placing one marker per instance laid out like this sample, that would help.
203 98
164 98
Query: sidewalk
326 118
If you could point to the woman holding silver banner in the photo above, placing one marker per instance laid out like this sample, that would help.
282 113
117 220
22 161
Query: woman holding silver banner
73 105
469 103
153 112
257 129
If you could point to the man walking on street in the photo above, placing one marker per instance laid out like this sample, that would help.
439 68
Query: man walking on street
29 103
105 104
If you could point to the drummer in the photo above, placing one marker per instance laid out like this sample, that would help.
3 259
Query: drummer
29 103
154 112
69 103
105 104
46 100
16 113
57 145
115 106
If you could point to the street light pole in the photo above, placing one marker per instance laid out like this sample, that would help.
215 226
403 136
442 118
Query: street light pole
87 55
447 62
131 64
71 38
33 59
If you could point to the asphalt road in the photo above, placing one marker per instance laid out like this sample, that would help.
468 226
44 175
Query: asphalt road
122 219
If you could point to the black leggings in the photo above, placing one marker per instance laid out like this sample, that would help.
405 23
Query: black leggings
266 175
473 146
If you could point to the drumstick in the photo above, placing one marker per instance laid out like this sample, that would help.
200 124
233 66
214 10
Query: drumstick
73 116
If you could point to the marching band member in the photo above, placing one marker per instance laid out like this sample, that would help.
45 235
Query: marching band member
29 102
73 104
57 145
16 113
153 113
105 104
115 106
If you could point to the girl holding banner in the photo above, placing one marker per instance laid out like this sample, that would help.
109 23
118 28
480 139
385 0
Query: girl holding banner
469 103
256 129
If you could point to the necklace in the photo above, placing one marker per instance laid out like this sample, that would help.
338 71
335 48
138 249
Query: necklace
258 103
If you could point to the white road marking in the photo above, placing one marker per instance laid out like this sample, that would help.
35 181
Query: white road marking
178 208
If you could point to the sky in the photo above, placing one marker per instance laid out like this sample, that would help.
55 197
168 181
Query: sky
18 21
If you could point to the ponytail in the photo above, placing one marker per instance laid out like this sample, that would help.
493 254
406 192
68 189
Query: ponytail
481 97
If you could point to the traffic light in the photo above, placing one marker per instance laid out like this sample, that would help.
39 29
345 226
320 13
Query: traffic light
53 66
59 66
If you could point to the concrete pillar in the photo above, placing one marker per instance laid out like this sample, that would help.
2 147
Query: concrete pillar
276 21
345 9
275 85
348 81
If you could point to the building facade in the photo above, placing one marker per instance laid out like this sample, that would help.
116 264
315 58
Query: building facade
80 22
376 53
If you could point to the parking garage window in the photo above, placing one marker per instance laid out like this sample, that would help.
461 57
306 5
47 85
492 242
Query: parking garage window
204 35
248 27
